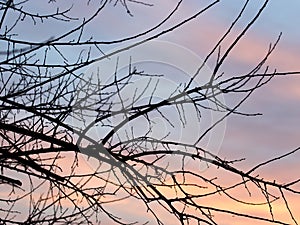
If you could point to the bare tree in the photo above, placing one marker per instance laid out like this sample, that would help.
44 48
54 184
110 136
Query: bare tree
75 141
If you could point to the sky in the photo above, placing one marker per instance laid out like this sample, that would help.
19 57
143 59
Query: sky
257 139
277 131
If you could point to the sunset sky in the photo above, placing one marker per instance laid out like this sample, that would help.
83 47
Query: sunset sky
256 139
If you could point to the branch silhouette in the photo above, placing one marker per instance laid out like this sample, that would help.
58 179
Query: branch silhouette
77 142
